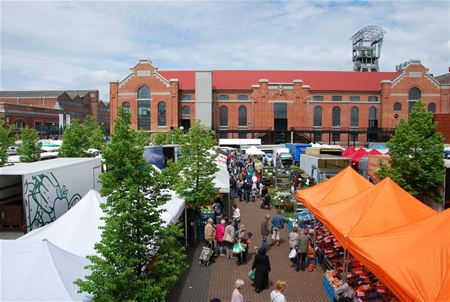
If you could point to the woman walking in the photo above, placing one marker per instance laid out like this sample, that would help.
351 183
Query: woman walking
242 237
277 294
220 233
261 265
228 239
237 295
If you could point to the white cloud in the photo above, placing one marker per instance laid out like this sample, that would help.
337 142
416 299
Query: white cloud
84 45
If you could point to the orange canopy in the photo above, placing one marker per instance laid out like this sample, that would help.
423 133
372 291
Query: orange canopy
381 208
412 260
344 184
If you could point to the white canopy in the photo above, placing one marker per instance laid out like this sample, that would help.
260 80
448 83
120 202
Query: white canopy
254 151
39 271
77 231
222 177
173 208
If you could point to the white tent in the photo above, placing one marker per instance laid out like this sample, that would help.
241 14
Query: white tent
173 208
254 151
39 271
222 177
77 231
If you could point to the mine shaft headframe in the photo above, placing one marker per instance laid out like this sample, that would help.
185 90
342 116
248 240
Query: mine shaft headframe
367 44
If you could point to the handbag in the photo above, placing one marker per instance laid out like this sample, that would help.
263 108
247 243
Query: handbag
237 248
292 253
251 275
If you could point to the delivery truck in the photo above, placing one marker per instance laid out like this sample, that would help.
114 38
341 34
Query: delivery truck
35 194
296 150
323 166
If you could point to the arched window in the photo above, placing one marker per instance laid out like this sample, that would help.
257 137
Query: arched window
373 122
19 124
318 116
432 107
126 107
143 109
414 93
354 117
397 107
143 93
336 117
223 116
161 114
186 111
242 116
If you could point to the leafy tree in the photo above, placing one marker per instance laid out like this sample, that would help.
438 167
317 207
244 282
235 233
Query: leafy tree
6 139
31 146
75 141
416 162
95 133
173 136
125 269
197 167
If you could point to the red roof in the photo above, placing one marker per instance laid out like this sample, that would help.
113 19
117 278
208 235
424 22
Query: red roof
318 80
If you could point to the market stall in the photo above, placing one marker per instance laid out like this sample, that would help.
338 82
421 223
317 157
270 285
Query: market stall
34 270
413 260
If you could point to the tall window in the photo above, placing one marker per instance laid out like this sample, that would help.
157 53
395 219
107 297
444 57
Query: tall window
354 117
242 97
397 107
223 116
373 98
280 110
354 98
373 122
242 116
186 111
126 107
143 93
336 117
413 96
317 116
161 114
143 107
432 107
224 97
336 98
318 98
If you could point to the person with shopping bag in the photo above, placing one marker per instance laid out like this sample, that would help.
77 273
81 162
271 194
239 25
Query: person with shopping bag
261 265
241 240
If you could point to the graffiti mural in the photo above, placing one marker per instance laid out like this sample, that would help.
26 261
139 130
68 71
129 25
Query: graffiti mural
46 200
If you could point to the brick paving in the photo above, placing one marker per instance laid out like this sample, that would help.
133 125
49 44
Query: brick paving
202 283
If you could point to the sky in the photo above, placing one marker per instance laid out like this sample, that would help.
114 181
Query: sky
51 45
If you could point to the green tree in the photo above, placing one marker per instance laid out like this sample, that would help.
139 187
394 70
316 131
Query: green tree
75 141
31 146
173 136
95 133
125 269
416 162
197 167
6 139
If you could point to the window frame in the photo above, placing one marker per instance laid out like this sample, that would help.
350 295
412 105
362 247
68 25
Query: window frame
162 114
242 97
242 119
336 98
318 98
397 106
223 116
375 97
138 96
336 118
316 112
223 97
355 96
354 120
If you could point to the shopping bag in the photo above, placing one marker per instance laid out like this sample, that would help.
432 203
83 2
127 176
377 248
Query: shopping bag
237 248
292 254
251 275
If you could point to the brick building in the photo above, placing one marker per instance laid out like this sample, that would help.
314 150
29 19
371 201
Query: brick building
278 106
40 109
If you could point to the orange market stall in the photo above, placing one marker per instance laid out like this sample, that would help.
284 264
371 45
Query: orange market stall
412 260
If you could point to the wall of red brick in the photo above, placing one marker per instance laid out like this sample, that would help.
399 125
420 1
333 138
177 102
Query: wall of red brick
442 121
